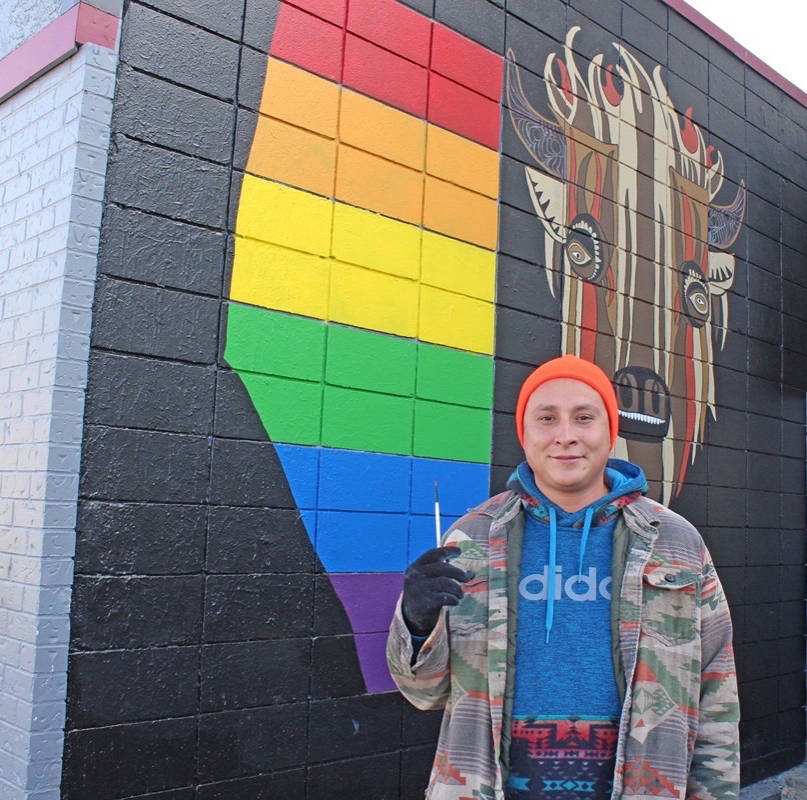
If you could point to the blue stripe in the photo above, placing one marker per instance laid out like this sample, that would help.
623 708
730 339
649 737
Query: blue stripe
355 541
373 512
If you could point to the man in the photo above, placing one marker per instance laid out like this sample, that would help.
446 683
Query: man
574 631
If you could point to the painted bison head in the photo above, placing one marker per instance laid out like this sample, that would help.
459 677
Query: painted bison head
634 246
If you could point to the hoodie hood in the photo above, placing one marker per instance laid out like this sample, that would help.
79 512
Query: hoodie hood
626 482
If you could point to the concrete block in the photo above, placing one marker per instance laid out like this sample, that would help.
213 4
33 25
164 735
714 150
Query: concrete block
164 395
139 465
167 47
164 113
155 321
199 197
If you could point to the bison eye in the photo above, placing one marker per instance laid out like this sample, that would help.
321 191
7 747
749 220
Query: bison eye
695 295
584 249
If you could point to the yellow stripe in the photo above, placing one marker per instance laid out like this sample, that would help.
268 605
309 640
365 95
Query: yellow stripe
369 271
457 266
373 300
456 320
370 240
281 215
276 277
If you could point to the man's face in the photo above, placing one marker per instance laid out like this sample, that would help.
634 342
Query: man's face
567 441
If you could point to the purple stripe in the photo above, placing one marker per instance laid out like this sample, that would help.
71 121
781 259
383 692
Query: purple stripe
371 648
369 598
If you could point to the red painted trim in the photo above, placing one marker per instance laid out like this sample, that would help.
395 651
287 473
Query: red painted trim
96 26
745 55
82 24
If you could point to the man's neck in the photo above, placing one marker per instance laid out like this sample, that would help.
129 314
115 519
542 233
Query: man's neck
574 501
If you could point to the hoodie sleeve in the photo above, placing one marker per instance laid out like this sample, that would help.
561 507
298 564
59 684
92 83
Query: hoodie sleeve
715 769
424 683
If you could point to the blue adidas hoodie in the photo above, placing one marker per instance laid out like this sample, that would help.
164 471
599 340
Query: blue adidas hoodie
566 704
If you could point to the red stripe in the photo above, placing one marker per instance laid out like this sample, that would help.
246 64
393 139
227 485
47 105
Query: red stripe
331 10
466 62
465 112
386 51
309 42
393 26
385 76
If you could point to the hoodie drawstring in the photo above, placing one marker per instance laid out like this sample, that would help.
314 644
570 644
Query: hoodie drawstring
550 590
553 545
583 540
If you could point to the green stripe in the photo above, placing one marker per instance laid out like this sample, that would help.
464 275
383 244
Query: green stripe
357 420
454 432
454 376
274 344
382 393
289 410
373 361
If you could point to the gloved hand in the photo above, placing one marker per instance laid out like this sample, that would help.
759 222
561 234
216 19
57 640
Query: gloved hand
430 583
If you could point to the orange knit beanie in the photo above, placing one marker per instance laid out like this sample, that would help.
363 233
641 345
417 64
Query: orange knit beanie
577 369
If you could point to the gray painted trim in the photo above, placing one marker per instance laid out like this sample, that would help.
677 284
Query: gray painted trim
114 7
55 194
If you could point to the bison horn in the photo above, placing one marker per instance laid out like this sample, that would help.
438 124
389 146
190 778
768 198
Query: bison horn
544 140
725 221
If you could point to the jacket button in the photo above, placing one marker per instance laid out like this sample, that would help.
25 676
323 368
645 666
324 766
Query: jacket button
669 578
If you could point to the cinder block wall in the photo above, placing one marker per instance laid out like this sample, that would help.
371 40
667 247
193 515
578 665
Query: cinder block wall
312 301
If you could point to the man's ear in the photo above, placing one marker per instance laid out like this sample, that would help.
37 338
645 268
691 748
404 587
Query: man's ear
548 195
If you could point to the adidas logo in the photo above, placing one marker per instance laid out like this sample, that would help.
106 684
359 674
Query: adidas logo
581 588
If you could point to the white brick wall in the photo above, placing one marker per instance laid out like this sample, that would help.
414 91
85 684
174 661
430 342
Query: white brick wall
54 137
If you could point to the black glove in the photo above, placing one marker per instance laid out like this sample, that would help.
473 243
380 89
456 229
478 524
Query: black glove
430 583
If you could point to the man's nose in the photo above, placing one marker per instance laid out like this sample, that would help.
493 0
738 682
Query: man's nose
564 431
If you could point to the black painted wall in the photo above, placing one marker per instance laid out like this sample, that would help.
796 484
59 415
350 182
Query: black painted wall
209 657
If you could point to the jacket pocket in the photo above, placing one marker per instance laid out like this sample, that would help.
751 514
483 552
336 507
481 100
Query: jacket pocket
670 612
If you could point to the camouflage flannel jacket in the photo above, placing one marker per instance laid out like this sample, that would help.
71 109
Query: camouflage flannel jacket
673 660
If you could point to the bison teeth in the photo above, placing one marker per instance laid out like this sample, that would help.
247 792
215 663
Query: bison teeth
641 417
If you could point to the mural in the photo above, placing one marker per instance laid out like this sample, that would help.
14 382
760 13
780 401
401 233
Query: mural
361 312
635 246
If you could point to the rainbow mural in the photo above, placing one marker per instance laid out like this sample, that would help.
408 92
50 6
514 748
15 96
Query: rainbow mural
361 314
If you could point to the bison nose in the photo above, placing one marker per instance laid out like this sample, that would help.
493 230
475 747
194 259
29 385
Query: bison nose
644 404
